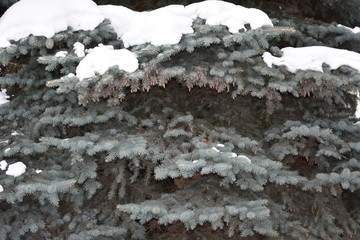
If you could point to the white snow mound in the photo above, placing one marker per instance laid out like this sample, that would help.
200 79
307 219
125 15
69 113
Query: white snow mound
354 30
357 112
61 54
101 58
312 58
3 96
47 17
79 49
16 169
3 165
161 26
233 16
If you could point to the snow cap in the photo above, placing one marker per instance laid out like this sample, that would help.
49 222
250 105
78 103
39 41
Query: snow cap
47 17
312 58
16 169
101 58
3 96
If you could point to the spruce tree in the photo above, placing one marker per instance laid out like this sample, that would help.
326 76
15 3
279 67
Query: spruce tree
210 134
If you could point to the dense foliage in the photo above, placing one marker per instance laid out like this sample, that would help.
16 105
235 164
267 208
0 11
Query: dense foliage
203 141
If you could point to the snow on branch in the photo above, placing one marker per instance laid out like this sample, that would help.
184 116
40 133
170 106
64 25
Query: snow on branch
47 17
101 58
161 26
313 58
354 30
3 96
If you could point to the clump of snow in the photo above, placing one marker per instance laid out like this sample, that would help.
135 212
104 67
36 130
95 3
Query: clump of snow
16 169
354 30
79 49
232 154
70 75
101 58
38 171
244 159
161 26
15 133
233 16
312 58
220 145
357 112
3 96
47 17
215 149
61 54
167 25
1 188
7 150
3 165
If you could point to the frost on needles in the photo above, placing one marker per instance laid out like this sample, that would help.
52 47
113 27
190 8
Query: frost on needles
208 129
